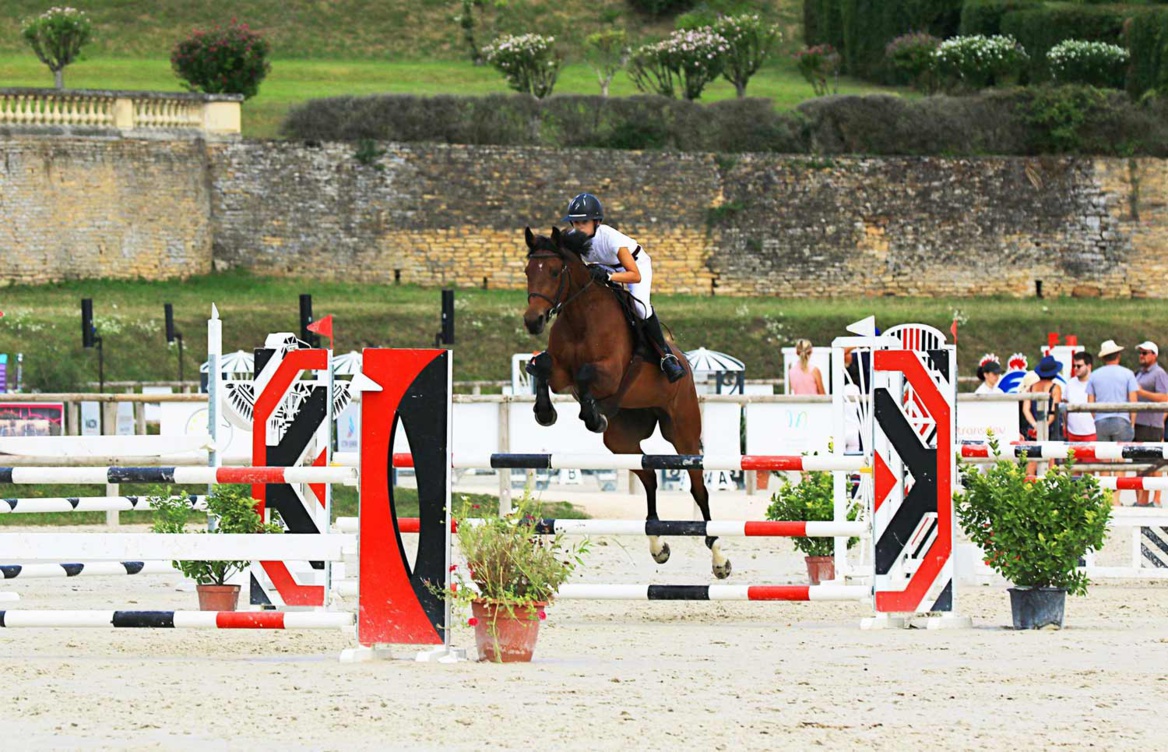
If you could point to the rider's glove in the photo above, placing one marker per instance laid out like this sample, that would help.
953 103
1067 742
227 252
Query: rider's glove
599 273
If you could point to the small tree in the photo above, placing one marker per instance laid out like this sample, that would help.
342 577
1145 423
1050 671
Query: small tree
231 60
529 63
57 36
607 52
818 64
751 41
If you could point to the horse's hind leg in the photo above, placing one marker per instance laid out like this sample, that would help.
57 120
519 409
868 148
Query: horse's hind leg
625 433
686 436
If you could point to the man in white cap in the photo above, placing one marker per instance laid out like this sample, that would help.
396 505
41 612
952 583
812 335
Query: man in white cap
1153 381
1113 383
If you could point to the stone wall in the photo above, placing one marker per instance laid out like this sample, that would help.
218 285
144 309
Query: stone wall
428 214
74 208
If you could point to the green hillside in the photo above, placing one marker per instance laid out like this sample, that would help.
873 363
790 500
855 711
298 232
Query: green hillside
385 30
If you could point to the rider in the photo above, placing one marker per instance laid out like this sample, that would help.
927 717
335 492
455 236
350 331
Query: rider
618 258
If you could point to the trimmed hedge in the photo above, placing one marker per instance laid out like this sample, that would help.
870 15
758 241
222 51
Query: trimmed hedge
1037 120
861 29
1147 41
985 16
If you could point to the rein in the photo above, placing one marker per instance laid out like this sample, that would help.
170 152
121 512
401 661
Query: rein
558 305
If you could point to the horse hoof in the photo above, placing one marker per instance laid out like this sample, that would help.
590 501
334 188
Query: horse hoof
601 425
662 556
547 419
723 571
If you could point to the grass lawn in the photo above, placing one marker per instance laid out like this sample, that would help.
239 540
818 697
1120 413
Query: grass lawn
42 322
294 81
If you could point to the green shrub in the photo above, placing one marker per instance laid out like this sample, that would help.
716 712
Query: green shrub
913 60
57 36
1093 63
819 65
973 63
1060 116
528 62
231 60
687 60
811 499
1034 532
1040 29
984 17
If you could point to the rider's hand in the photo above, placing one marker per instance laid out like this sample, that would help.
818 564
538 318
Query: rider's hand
599 273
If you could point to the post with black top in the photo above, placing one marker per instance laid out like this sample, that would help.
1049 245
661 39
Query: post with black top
90 338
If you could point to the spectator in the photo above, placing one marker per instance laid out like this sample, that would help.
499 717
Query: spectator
1153 387
1048 369
1080 426
1023 387
803 377
1113 383
989 372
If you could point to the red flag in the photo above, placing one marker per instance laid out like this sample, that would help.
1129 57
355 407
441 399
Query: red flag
953 331
324 327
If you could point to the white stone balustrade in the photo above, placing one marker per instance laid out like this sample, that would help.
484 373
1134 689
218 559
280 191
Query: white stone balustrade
197 114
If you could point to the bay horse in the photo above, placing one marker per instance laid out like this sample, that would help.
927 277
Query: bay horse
592 354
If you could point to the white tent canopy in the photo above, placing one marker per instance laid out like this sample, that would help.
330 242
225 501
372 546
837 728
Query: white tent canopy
236 363
706 361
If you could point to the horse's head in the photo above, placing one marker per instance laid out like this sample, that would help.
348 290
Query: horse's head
550 270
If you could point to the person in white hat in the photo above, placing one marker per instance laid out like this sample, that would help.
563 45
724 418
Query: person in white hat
1112 383
1153 382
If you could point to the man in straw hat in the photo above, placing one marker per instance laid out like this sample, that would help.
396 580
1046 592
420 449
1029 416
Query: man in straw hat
1113 383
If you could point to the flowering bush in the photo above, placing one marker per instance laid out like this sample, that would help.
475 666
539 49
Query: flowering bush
528 62
750 41
912 57
975 62
232 60
1073 61
57 36
692 58
818 64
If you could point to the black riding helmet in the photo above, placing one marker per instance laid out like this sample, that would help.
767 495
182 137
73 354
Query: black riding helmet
584 206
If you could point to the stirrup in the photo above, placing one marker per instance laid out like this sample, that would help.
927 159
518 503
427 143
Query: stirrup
672 369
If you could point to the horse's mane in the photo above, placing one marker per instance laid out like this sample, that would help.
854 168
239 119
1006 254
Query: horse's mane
571 242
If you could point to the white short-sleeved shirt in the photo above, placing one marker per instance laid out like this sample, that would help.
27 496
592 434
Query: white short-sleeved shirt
1082 424
605 243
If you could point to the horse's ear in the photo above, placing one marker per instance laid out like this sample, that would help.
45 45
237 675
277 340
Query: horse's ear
529 237
556 236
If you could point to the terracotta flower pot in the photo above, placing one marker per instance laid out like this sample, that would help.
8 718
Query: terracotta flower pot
764 479
218 597
820 568
505 635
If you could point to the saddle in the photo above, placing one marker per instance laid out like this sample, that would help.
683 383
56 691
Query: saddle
641 344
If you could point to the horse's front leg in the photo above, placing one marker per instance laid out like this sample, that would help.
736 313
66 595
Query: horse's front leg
540 369
701 497
594 420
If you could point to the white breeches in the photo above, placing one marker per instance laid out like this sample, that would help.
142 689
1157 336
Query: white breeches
643 289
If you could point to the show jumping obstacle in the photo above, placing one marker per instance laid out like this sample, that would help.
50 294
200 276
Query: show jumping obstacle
1061 450
696 528
87 504
86 569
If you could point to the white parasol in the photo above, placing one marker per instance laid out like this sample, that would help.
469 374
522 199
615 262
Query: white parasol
348 364
238 363
704 361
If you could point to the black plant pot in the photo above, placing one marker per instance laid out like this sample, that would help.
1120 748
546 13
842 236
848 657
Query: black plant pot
1035 608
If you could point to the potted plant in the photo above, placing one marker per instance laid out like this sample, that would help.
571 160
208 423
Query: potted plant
1034 531
811 498
232 510
511 574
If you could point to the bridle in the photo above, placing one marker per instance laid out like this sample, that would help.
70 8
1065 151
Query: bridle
556 303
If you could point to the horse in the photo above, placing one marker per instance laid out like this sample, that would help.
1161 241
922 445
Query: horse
592 354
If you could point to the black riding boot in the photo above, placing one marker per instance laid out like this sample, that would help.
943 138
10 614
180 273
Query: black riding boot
669 362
